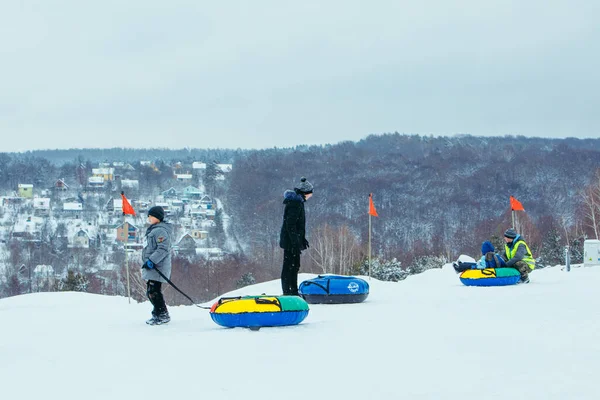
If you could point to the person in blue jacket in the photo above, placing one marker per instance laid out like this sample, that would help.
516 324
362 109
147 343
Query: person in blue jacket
489 257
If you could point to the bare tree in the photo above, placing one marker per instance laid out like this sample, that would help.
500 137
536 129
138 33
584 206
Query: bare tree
334 250
136 283
591 202
322 252
348 249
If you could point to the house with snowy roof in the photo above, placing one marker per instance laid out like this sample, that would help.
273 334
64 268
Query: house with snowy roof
41 206
114 205
127 232
141 206
81 239
197 211
177 205
60 185
25 190
12 201
133 184
72 206
206 200
95 182
192 193
107 173
210 214
27 227
171 192
184 177
225 168
198 234
187 244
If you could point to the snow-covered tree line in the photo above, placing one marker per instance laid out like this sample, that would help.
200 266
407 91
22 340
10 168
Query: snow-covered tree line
437 197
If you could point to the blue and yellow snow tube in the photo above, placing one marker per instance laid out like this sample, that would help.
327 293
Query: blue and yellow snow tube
259 311
334 289
490 277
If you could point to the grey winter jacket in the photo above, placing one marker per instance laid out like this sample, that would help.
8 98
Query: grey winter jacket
158 250
519 255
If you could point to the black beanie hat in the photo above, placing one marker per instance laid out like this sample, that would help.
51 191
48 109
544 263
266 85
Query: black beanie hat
305 186
157 212
510 233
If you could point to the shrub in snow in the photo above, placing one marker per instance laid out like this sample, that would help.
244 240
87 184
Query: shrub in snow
12 287
576 249
73 282
384 270
423 263
246 280
540 263
552 251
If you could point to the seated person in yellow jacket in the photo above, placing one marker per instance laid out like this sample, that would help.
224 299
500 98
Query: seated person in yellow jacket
517 254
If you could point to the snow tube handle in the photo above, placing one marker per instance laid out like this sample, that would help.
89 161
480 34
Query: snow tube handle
260 300
325 288
223 299
488 273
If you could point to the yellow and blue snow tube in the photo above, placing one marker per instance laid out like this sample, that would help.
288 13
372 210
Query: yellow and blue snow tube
259 311
490 277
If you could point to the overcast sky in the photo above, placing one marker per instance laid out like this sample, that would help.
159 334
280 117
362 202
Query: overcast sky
258 74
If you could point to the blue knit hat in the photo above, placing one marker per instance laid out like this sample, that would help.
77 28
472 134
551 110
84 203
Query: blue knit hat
486 247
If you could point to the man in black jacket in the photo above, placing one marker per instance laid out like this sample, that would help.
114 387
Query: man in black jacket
293 234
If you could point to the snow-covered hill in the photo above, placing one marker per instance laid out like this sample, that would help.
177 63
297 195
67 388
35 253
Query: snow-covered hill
427 337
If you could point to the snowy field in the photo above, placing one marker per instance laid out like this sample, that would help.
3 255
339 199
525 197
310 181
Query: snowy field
428 337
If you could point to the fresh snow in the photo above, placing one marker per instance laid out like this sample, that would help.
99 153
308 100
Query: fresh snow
230 244
428 337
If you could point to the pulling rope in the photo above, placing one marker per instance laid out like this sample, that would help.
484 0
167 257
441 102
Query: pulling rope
179 290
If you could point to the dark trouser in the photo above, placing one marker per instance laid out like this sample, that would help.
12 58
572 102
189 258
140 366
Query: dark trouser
523 269
153 291
289 272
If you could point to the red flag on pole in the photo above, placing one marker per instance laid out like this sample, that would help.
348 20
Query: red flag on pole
516 205
372 210
127 209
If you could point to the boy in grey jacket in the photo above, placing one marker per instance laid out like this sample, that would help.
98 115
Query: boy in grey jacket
157 256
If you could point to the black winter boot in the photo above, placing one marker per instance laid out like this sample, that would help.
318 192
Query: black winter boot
523 269
160 315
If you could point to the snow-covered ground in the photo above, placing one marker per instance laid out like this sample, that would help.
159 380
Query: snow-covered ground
427 337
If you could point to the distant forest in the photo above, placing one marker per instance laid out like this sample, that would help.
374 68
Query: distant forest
435 195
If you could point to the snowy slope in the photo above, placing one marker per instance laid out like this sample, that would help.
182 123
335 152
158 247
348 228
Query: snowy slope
427 337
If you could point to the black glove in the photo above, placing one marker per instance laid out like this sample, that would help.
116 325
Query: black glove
148 264
306 246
